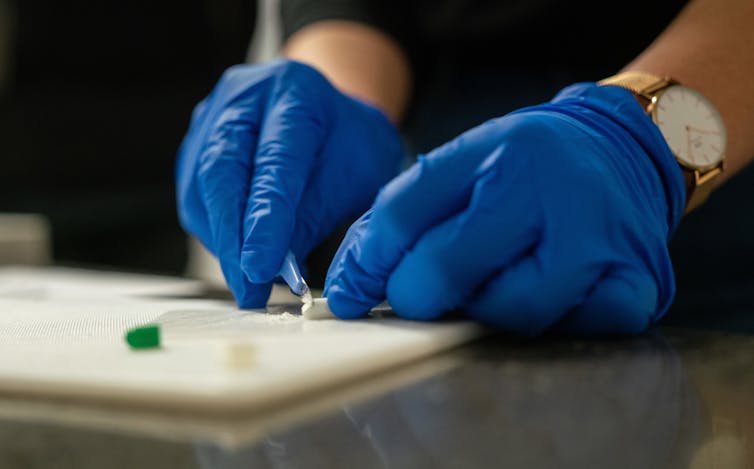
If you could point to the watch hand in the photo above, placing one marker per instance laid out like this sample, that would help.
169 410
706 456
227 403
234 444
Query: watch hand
702 131
688 142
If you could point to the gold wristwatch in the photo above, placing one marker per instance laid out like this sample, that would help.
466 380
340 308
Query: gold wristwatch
692 127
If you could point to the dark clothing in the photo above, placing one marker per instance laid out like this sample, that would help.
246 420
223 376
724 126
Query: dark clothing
552 43
513 34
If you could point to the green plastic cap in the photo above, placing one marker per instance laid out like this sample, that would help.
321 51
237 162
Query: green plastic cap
144 337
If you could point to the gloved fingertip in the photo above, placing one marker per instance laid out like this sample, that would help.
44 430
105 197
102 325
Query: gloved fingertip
345 306
252 296
258 265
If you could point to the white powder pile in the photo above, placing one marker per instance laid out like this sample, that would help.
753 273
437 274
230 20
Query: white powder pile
317 309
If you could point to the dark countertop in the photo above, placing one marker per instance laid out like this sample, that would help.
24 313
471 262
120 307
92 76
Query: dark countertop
675 397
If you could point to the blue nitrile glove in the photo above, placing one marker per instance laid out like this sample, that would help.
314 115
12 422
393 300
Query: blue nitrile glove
554 216
275 159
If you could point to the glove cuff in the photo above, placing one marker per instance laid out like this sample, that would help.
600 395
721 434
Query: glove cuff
621 107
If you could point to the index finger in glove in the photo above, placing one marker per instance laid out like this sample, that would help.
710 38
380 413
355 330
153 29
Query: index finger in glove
449 263
224 172
434 189
291 137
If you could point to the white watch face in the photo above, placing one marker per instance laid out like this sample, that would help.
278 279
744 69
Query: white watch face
692 127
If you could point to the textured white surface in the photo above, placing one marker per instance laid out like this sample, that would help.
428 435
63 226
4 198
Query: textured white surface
61 333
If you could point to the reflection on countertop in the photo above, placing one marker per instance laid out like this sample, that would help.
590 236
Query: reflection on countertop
673 398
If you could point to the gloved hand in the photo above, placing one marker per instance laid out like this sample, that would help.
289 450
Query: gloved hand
556 216
276 158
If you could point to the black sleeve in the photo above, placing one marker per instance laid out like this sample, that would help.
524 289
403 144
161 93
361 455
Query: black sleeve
392 17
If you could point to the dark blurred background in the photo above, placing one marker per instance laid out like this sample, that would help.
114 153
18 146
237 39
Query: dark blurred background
95 97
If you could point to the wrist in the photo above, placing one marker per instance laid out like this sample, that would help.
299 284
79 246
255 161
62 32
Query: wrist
619 106
688 177
357 59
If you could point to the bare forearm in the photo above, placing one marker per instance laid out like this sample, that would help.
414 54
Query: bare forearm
710 47
359 60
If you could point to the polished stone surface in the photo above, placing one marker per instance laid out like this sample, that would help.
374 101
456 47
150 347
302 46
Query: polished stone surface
675 397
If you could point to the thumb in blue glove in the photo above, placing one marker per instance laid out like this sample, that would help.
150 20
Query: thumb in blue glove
554 216
275 159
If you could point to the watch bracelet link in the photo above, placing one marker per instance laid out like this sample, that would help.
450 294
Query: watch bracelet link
641 83
699 186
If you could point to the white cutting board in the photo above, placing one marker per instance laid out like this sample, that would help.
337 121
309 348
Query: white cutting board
61 334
